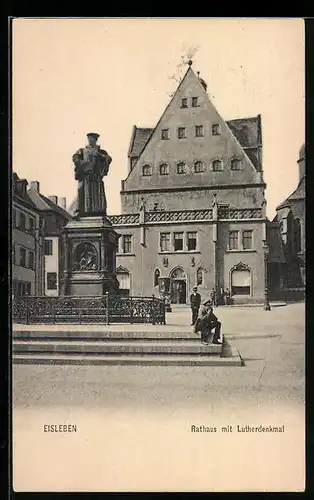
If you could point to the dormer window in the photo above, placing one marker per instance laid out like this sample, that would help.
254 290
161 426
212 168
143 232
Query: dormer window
217 166
181 168
165 133
235 164
184 103
146 170
195 102
199 131
216 129
163 169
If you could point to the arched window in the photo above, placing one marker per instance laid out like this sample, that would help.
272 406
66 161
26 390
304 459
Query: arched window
217 166
178 274
198 167
199 276
156 277
240 280
297 235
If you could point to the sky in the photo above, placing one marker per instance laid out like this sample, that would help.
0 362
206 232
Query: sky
73 76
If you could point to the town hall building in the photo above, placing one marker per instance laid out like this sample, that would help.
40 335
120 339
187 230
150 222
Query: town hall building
193 205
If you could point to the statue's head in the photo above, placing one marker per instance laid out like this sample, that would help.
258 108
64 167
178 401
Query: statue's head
92 138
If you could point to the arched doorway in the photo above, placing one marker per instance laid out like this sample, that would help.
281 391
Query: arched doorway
178 286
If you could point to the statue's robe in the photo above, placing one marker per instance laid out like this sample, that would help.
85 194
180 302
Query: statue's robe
89 172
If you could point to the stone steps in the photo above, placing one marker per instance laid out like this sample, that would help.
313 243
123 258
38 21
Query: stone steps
118 335
144 360
117 348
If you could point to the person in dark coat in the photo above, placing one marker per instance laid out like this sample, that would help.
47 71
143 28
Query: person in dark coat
213 296
195 302
206 323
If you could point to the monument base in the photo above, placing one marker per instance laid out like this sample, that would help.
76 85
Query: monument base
90 246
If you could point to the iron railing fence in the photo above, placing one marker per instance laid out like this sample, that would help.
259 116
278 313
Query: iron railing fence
79 310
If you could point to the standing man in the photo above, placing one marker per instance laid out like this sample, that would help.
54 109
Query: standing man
213 296
195 302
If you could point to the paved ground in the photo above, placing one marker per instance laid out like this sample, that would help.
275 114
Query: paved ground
149 412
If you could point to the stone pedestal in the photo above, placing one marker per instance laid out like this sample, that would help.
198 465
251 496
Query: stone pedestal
89 247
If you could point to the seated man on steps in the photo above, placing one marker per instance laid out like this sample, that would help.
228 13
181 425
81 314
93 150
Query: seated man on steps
206 323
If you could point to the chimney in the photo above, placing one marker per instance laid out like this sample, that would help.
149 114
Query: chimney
63 202
35 186
54 199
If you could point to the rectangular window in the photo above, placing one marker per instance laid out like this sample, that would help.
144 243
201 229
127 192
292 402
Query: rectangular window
22 222
199 131
22 257
48 247
13 253
28 288
52 281
147 170
199 167
31 225
165 133
164 169
241 282
164 242
191 240
181 168
217 166
216 129
127 243
181 132
194 102
233 240
184 103
14 218
178 242
247 240
31 260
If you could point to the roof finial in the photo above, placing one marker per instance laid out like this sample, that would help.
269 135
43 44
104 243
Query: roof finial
190 62
198 73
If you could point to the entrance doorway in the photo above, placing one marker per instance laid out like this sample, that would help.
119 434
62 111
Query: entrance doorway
178 286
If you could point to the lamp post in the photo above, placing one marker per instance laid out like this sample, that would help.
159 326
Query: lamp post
266 300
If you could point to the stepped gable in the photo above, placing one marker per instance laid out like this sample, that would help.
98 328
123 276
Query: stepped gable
238 139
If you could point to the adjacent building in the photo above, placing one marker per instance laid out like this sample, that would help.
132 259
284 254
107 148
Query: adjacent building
27 242
193 203
55 217
290 219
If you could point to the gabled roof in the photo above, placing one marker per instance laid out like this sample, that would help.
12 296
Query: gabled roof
246 131
298 194
139 138
44 204
20 197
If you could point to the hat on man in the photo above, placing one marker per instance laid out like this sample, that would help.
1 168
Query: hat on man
194 287
93 134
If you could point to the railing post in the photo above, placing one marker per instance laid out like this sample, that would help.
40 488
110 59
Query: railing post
153 310
131 310
27 311
164 310
107 308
